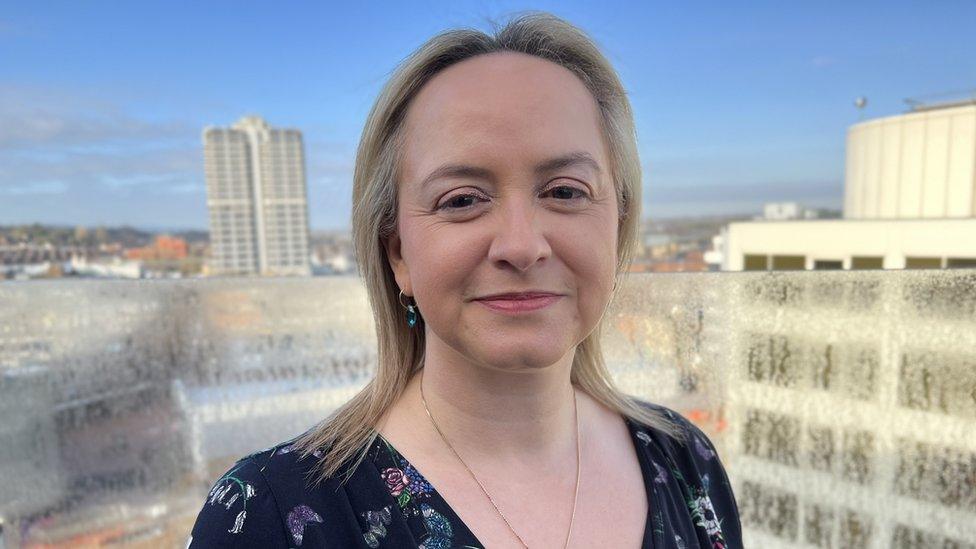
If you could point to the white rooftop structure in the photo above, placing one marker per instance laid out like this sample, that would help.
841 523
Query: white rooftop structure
909 202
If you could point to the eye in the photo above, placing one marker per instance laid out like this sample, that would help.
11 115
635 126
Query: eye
460 201
566 192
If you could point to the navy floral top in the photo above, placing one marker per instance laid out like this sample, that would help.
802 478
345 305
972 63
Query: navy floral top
265 501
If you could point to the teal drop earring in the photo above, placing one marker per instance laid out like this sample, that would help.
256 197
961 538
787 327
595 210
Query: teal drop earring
412 315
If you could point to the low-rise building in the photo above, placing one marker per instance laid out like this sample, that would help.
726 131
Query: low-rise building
909 202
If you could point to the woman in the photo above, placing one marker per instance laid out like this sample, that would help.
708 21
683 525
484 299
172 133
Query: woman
496 202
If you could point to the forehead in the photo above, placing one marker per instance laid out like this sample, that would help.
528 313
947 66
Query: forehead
500 108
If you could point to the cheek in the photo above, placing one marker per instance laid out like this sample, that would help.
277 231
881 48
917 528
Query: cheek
590 252
439 258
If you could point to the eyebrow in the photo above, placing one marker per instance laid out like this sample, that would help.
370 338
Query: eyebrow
579 158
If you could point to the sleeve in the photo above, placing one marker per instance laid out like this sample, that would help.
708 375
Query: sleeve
716 484
240 511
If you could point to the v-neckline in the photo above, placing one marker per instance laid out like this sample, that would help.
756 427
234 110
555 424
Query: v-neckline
647 476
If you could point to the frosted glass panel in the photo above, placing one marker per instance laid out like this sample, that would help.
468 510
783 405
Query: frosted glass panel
843 403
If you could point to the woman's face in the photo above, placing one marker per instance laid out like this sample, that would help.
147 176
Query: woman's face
507 222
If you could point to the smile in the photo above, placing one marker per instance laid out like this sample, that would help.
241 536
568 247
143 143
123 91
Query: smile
519 303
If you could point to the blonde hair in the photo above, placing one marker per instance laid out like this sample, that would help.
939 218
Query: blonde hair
346 435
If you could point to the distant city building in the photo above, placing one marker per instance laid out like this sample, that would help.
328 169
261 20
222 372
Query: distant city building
909 202
24 261
257 197
165 247
715 256
781 211
113 267
682 262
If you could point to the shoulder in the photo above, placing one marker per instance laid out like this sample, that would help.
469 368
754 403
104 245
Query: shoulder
272 499
240 511
258 501
685 439
688 460
687 447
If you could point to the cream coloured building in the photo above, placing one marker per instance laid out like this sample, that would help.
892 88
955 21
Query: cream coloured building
257 197
909 202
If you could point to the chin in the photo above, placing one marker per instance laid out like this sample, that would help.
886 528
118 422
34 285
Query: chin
522 357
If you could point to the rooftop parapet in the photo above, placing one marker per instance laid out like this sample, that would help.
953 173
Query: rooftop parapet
842 403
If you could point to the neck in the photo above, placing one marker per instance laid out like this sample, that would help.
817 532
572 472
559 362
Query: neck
507 414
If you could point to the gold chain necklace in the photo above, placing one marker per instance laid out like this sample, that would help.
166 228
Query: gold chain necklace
572 517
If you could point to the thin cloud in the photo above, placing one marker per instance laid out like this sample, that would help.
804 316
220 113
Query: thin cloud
184 188
750 192
138 180
35 188
39 118
80 140
121 173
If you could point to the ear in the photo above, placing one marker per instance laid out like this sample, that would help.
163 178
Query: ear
395 257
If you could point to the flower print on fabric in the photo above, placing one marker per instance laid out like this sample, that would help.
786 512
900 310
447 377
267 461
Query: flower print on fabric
413 494
396 481
287 449
695 495
438 528
704 515
646 438
404 482
703 450
662 474
701 509
231 491
657 523
298 518
376 523
416 482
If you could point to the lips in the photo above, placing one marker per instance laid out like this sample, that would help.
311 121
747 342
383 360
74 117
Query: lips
516 296
520 302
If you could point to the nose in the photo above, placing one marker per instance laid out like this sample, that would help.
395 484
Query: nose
519 241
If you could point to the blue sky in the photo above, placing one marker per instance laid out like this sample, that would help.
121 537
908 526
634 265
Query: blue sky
102 103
